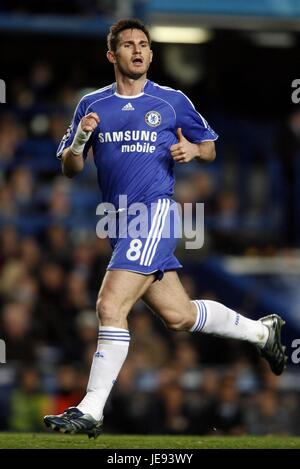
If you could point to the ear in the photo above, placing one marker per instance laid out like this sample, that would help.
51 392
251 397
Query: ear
111 57
151 55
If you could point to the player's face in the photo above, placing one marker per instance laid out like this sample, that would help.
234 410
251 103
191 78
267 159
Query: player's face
133 55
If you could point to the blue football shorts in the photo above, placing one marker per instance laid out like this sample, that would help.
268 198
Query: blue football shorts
145 241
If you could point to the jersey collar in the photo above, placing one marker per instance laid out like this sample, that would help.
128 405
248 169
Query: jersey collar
123 96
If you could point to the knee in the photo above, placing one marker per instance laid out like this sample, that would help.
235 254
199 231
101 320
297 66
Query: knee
179 323
106 310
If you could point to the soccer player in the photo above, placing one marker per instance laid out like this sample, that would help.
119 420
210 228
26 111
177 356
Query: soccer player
138 130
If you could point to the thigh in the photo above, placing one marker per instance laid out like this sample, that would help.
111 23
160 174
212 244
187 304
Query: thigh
168 299
122 289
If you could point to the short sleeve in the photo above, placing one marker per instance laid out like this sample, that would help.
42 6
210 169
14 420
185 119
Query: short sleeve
71 131
194 127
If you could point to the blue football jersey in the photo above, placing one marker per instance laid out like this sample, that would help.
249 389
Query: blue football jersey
131 144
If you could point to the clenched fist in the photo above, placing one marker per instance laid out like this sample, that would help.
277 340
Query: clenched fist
84 130
89 122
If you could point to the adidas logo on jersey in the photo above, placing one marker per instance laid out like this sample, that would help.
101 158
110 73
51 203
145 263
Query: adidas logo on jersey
128 107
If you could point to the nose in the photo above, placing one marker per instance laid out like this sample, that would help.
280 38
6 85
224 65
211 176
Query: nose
137 48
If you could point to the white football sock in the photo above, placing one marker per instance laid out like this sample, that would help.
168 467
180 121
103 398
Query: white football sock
216 319
111 353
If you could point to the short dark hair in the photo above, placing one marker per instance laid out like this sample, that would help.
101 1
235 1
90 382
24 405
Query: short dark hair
117 28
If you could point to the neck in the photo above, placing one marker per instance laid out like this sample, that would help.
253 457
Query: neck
130 87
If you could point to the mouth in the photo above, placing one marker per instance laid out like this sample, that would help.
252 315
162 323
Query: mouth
137 61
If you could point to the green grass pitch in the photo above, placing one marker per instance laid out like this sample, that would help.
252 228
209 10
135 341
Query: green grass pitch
106 441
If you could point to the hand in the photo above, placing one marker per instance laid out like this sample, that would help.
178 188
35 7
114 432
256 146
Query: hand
183 151
84 130
89 122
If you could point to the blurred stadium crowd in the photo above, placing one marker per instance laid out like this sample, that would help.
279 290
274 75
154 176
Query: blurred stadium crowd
52 263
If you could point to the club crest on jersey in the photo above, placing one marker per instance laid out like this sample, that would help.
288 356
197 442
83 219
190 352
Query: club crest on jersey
153 118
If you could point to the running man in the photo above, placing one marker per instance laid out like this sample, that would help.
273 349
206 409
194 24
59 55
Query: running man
138 130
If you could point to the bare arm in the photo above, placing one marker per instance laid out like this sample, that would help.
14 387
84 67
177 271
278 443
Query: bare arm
71 164
206 151
72 160
185 151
